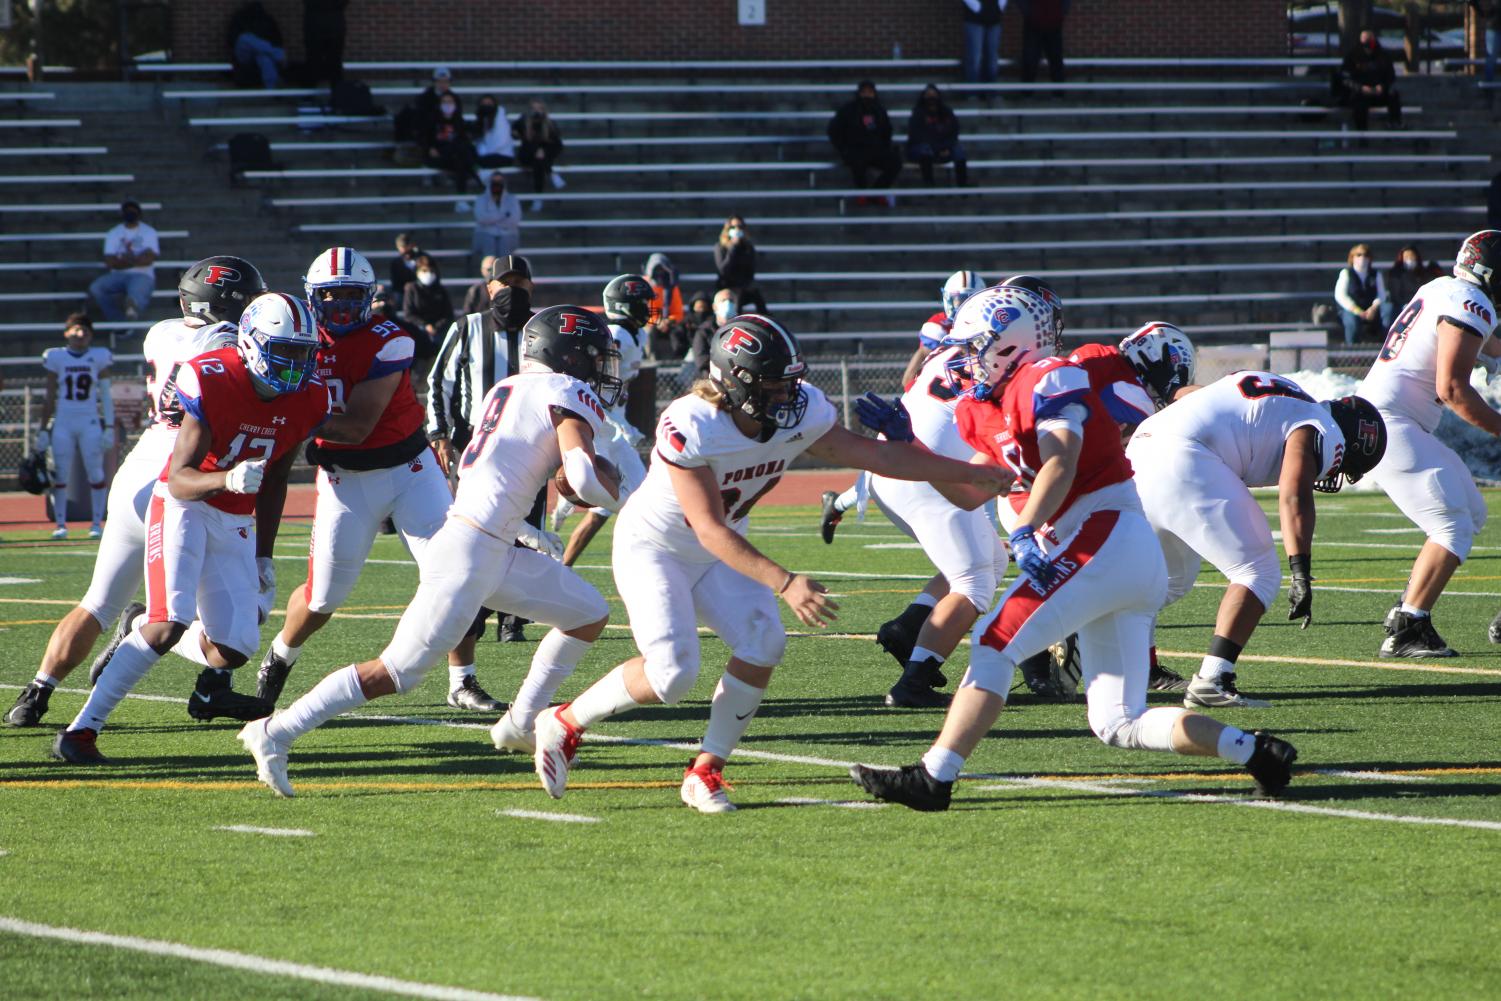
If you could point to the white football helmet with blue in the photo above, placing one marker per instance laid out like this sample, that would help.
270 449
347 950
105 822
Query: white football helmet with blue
279 342
1163 357
340 285
960 286
1001 329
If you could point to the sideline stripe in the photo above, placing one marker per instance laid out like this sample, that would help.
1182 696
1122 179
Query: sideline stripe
275 832
563 818
254 964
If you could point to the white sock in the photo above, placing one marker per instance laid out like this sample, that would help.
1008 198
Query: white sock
603 699
846 500
456 675
287 654
43 678
922 653
943 764
1213 667
98 495
132 659
556 657
734 705
924 599
1414 611
336 693
1236 745
60 506
190 646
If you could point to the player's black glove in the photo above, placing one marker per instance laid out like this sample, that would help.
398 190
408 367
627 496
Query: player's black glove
1300 591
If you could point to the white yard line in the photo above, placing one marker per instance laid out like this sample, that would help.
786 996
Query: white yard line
847 804
1369 776
562 818
275 832
253 964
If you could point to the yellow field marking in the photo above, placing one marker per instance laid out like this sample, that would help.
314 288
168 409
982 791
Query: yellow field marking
29 622
36 601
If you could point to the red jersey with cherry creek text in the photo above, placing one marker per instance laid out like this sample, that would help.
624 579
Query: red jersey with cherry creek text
216 389
1006 430
1115 382
372 351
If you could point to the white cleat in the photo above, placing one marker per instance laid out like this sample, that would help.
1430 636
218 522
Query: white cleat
60 532
270 757
507 736
1219 693
704 790
557 743
95 531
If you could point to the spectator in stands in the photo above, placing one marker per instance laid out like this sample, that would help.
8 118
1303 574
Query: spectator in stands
255 45
494 146
1407 274
323 31
430 100
982 40
1365 80
478 296
735 263
703 322
861 134
1489 15
724 311
497 220
667 334
447 144
426 305
403 269
541 145
1042 34
933 137
1361 296
130 251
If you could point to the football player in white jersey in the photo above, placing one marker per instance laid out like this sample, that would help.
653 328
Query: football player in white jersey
77 383
681 556
1195 462
544 417
628 307
212 295
1423 367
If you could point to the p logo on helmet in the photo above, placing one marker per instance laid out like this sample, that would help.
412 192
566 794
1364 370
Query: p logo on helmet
220 275
739 338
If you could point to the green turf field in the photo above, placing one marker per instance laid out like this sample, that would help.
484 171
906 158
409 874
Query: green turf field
1066 868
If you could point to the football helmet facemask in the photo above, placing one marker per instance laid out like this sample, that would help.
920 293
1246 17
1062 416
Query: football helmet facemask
217 289
572 340
758 366
1001 329
340 286
279 343
1163 357
629 299
1365 441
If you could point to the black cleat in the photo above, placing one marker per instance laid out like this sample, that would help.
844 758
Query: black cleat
910 785
896 639
508 629
1160 679
471 696
77 747
271 678
1414 636
1271 763
831 517
123 627
213 697
913 692
31 705
1041 679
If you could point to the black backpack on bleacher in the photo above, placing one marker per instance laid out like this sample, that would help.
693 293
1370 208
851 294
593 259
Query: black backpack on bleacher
248 151
352 97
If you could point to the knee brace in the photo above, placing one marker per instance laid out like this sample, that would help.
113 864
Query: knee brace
989 669
977 584
1261 575
672 678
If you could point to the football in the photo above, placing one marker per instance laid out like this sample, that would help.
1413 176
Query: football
602 465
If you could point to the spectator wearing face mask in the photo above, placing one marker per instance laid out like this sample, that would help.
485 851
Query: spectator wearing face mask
430 98
403 269
426 305
861 134
478 295
494 146
704 322
130 251
1407 274
541 145
933 137
735 264
497 220
445 142
1365 310
1366 80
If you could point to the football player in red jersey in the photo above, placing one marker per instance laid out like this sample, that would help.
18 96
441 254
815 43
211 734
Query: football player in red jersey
246 409
389 472
1089 562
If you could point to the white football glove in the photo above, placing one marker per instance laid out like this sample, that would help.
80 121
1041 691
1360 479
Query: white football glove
43 440
541 540
109 437
1491 365
246 477
265 569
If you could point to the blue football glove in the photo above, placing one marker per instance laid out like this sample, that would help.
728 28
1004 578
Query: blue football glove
888 419
1029 557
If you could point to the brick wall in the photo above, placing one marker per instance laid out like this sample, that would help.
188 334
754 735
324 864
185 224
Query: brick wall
706 29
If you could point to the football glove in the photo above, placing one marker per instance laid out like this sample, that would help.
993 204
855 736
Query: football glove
43 440
1029 557
246 477
1491 365
1299 592
888 419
